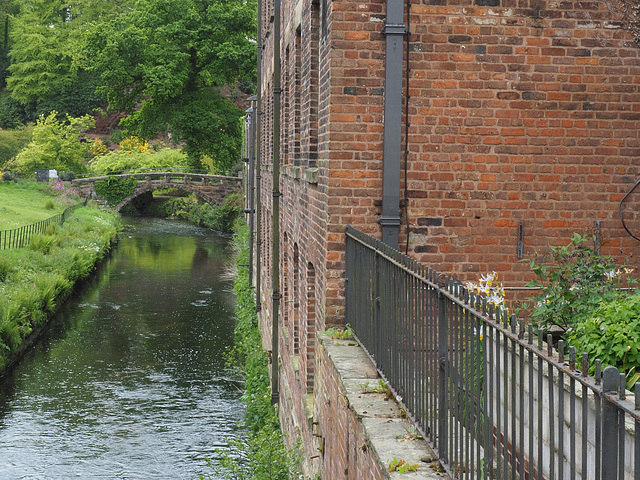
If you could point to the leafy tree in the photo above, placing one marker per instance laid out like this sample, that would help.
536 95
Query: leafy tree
47 70
164 63
54 145
164 159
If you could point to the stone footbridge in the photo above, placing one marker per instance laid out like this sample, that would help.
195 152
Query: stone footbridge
211 188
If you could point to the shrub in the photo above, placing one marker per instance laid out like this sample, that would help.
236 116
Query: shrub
49 205
12 141
612 334
8 176
41 243
574 281
66 176
167 159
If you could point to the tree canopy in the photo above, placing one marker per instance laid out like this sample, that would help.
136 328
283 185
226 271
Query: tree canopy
54 145
164 63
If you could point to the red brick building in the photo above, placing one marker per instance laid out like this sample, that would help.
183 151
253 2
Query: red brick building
511 124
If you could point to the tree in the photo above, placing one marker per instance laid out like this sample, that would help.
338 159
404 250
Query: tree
165 62
55 145
47 70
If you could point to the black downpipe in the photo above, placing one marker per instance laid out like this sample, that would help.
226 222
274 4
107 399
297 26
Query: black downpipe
258 162
275 238
251 190
406 126
393 30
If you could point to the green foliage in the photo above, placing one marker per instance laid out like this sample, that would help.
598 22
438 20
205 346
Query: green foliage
36 278
41 243
167 159
217 217
171 57
5 268
8 176
401 466
47 63
115 189
339 333
574 281
54 145
12 141
612 334
11 113
261 454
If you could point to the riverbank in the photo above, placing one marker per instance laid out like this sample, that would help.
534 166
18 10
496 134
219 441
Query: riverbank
35 280
261 449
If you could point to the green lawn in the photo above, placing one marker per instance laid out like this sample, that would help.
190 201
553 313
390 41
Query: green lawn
23 203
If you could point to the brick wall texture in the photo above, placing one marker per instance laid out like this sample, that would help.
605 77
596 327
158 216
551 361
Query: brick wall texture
522 115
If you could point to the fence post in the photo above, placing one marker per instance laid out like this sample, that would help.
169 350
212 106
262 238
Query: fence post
610 383
443 415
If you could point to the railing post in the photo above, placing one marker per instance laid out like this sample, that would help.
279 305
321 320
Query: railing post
442 378
610 384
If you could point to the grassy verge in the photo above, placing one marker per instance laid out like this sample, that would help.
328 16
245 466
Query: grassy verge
27 202
260 453
35 279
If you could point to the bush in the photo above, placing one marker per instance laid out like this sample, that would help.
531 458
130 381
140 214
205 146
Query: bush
12 141
49 205
612 334
574 281
12 113
66 176
41 243
8 176
167 159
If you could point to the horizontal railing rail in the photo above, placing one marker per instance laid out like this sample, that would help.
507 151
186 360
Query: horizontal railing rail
20 237
492 399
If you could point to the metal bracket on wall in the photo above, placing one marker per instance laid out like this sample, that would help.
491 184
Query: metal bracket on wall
521 239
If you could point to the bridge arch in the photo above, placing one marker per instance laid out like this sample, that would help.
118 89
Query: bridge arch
212 189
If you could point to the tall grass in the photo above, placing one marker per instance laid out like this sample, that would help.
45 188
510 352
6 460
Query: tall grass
35 279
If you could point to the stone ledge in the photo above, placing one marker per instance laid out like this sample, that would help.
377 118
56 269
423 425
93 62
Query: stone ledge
381 416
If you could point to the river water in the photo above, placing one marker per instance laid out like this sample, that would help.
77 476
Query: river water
130 381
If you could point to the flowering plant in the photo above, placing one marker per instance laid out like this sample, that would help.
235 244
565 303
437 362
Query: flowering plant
64 194
574 280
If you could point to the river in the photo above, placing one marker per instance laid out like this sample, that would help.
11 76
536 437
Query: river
129 381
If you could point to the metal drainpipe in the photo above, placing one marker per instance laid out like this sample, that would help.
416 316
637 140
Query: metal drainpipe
275 238
394 30
258 162
252 186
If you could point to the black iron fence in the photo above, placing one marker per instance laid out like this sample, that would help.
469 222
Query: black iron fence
20 237
492 400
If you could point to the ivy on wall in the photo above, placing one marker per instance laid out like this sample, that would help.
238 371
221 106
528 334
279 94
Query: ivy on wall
115 189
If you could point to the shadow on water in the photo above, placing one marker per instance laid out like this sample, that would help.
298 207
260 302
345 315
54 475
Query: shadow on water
129 380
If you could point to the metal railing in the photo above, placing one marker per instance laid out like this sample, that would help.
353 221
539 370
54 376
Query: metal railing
492 400
20 237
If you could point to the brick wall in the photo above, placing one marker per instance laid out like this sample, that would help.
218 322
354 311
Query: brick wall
523 116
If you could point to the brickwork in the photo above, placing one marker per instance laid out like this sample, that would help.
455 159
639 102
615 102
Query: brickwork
523 124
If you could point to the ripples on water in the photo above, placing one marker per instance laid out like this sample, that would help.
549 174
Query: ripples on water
130 383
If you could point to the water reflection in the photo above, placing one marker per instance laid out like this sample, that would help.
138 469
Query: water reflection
130 382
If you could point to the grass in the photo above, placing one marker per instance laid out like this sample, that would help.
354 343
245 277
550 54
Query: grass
24 203
35 279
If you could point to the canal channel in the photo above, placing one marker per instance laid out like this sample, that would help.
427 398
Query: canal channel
130 382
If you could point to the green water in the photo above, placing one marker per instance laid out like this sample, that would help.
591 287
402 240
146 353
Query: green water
130 381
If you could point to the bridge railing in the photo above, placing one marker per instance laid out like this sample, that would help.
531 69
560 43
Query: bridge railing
173 177
176 171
